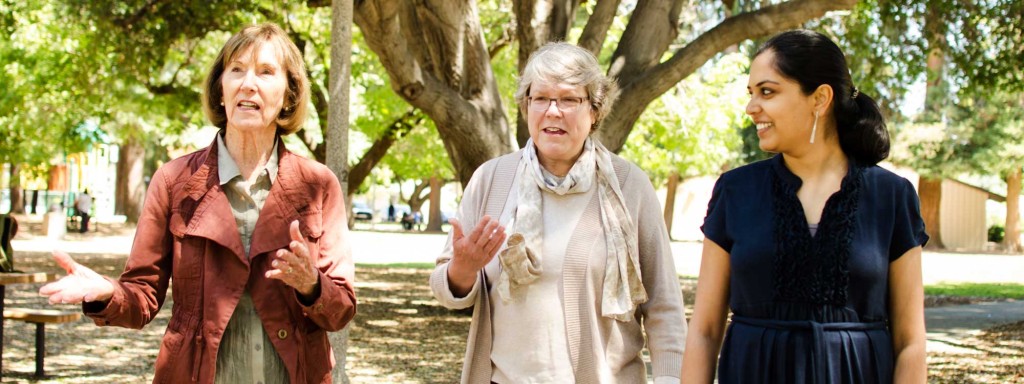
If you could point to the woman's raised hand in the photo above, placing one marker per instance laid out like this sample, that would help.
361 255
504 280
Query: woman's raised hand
294 266
80 285
472 253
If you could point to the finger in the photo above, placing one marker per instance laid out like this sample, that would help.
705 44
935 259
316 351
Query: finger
299 250
293 230
279 261
496 241
91 296
456 229
57 287
488 233
297 259
61 296
64 261
478 231
55 299
275 274
49 289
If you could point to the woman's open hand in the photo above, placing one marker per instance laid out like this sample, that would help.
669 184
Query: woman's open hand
294 266
472 253
80 285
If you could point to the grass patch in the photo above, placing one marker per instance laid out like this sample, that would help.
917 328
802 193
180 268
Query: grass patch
397 265
1000 291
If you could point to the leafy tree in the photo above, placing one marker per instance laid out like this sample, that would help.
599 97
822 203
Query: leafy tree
995 122
44 102
437 60
692 131
954 46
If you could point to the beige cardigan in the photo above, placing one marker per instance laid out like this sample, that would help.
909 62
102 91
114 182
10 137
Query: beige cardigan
589 334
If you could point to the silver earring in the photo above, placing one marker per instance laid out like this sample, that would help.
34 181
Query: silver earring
814 129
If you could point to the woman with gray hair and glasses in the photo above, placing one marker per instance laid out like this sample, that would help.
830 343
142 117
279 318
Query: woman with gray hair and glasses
587 266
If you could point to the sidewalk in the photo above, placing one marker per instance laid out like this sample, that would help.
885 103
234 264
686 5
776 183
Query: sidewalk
947 326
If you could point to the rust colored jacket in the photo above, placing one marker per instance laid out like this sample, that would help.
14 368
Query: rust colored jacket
187 234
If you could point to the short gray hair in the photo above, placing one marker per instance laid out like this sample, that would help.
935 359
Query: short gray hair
564 63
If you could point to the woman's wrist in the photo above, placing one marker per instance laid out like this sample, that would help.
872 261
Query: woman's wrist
309 292
460 279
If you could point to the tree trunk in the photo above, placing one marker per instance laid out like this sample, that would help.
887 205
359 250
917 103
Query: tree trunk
17 200
1011 240
35 201
936 92
434 224
336 142
641 86
436 59
130 188
435 56
416 198
930 192
670 201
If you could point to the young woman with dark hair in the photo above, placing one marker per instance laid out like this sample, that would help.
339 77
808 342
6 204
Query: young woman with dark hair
817 251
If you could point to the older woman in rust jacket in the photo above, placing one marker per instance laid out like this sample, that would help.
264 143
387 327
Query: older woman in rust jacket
252 236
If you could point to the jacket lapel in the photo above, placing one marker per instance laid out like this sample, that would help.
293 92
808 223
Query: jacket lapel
281 208
207 208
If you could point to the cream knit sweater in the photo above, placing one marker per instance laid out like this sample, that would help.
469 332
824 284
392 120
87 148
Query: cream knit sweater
591 337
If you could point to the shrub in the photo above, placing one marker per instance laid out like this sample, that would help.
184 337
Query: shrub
996 233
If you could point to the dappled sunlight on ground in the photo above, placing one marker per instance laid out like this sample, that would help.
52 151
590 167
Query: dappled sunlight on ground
400 335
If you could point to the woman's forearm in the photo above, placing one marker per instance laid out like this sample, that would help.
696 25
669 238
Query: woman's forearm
699 359
910 364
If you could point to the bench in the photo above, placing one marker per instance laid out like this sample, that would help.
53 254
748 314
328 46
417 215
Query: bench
40 317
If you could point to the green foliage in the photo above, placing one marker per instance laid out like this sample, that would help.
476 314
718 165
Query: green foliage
996 124
996 233
934 150
419 155
45 100
988 290
887 46
695 130
884 48
981 135
990 52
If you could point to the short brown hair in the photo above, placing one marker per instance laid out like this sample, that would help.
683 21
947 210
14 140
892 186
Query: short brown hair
296 97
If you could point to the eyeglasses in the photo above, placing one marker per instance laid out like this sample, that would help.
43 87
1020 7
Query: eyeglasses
564 104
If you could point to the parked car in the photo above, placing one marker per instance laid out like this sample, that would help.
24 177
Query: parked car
362 211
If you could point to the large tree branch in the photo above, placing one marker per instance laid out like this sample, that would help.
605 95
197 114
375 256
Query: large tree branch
465 106
541 21
653 26
508 35
646 87
398 128
596 30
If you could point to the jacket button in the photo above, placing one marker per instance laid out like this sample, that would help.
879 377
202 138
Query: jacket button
282 334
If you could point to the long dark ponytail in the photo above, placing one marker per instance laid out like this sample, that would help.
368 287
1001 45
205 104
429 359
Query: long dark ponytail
812 59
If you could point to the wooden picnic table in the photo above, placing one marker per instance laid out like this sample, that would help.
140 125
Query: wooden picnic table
17 278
